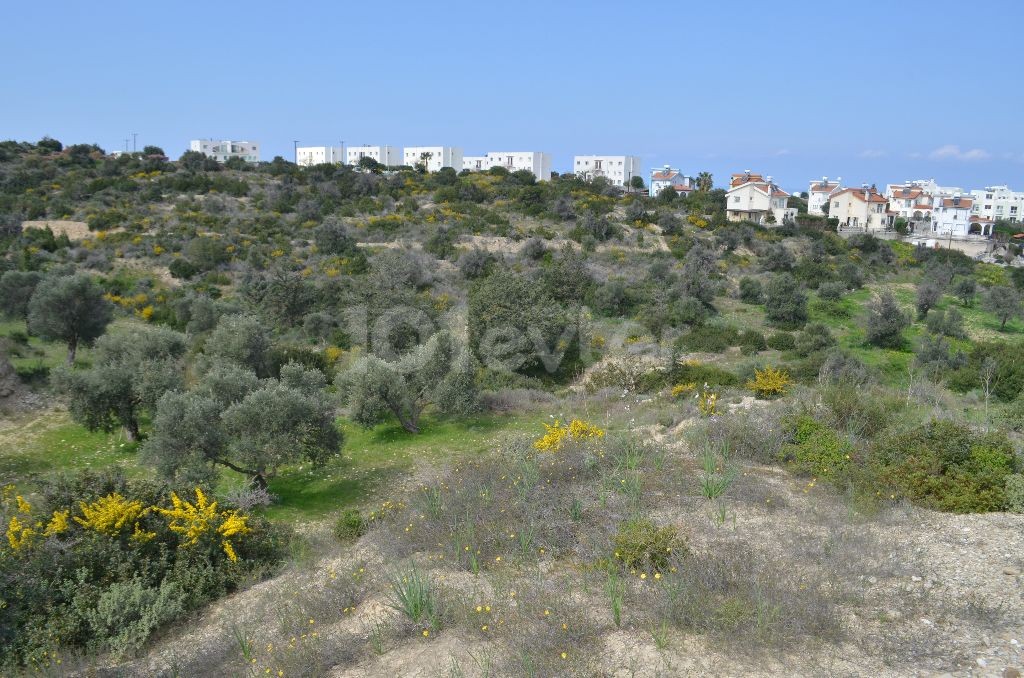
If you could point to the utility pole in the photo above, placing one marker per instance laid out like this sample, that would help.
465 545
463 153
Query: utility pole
295 148
135 136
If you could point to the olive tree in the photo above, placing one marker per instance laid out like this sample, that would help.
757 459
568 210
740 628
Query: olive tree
131 370
438 373
886 322
278 422
1004 303
70 309
16 288
785 302
241 339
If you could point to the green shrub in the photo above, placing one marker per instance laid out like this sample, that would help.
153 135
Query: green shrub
708 339
781 341
350 526
1015 492
816 450
946 466
751 342
640 545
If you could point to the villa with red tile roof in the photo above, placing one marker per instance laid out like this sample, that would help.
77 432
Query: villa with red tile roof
860 209
752 197
669 176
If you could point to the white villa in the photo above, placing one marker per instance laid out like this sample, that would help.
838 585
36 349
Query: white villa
752 197
307 156
389 156
433 157
669 176
537 162
222 151
617 169
998 202
860 208
819 193
952 217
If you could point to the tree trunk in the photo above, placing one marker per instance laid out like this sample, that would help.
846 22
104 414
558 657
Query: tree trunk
131 430
72 350
259 481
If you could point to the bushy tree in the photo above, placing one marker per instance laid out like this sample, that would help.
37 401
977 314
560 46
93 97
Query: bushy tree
70 309
777 257
886 322
16 288
929 291
332 237
965 289
750 290
814 337
253 431
1004 302
438 373
241 339
516 325
131 370
785 302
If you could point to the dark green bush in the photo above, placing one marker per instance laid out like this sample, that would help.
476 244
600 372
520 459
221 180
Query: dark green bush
350 526
816 450
781 341
640 545
946 466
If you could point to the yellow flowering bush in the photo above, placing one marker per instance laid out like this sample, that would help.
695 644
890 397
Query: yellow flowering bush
680 389
110 514
770 382
556 434
194 521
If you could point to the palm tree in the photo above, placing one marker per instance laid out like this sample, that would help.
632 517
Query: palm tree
705 182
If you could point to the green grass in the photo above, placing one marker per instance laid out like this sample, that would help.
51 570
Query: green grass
372 459
46 443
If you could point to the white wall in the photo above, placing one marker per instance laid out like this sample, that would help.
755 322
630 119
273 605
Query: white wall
440 156
618 169
319 155
221 151
389 156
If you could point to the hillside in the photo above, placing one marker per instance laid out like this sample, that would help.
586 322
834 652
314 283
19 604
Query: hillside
271 420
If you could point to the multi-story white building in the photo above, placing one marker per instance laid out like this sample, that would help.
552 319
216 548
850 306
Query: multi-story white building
952 216
307 156
537 162
753 197
222 151
819 194
617 169
433 158
669 176
389 156
860 208
998 203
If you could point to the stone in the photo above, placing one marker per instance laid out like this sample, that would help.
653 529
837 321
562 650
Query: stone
1011 571
1011 672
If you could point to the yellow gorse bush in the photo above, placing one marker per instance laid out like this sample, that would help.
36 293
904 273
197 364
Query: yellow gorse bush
680 389
110 514
555 434
193 521
769 382
19 535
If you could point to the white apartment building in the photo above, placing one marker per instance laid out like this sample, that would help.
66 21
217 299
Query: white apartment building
998 203
433 157
952 216
617 169
669 176
222 151
860 208
819 193
753 197
307 156
389 156
537 162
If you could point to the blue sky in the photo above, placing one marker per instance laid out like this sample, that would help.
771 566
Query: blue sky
870 91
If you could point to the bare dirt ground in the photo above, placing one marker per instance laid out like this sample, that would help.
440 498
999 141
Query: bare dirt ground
75 230
922 594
